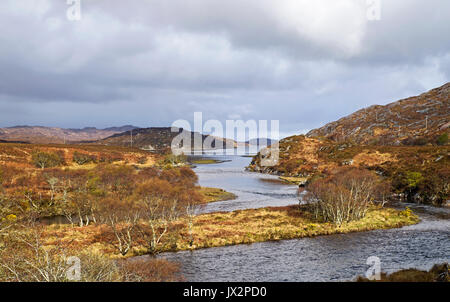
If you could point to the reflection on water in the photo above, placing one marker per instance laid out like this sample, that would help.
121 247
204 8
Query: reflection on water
324 258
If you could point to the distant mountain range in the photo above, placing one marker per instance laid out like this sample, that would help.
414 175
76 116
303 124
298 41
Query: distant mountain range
415 120
161 138
53 135
412 121
155 138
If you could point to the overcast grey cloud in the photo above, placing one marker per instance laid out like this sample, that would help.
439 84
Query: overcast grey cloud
150 63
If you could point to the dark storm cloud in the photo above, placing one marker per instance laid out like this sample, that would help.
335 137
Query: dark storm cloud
152 62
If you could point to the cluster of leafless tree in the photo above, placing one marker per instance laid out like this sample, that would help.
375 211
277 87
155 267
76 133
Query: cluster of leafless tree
345 195
132 206
26 258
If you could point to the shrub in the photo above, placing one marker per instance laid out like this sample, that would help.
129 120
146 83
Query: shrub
291 166
414 179
83 158
415 141
442 139
342 197
27 259
6 217
142 160
46 160
436 188
110 157
173 159
183 176
122 219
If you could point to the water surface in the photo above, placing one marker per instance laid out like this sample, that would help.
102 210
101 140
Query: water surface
253 190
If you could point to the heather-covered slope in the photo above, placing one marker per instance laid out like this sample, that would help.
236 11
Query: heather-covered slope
415 173
415 120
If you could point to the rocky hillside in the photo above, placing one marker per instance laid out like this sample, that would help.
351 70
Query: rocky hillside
415 173
413 121
157 139
406 142
51 135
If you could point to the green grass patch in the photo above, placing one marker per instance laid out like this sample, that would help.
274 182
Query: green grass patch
215 194
205 161
294 180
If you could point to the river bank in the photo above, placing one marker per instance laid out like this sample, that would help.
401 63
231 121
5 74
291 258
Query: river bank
235 228
281 223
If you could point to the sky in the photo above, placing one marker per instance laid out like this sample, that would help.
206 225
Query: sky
149 63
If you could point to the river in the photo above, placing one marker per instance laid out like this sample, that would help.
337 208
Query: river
324 258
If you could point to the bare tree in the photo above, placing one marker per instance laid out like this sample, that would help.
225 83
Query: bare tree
190 214
158 213
85 208
52 181
344 196
67 206
30 261
78 205
122 218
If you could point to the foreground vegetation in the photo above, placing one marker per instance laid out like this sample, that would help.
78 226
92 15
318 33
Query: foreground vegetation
127 194
239 227
438 273
58 202
27 257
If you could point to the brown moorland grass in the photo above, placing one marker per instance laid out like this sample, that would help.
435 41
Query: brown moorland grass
20 155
